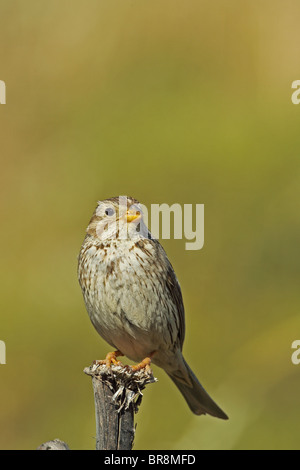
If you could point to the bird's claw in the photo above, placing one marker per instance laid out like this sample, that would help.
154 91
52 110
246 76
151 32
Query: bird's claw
111 358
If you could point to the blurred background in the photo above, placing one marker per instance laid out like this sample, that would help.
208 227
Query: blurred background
166 101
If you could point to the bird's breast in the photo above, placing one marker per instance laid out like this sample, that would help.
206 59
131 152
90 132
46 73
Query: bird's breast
126 297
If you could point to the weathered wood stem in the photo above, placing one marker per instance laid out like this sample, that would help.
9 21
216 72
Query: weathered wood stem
117 395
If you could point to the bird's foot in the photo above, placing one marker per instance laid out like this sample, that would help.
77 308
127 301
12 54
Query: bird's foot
111 358
144 364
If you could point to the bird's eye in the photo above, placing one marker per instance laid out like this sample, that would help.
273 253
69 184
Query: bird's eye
109 211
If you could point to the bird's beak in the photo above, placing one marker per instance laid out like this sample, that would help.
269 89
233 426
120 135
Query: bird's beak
132 215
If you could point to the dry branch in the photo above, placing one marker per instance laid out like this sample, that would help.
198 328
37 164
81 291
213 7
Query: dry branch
117 394
56 444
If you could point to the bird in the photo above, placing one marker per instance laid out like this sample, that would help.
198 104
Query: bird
134 299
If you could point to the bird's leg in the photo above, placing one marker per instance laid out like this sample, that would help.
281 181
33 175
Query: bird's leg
111 358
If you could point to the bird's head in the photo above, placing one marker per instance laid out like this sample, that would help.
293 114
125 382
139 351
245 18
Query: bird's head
118 217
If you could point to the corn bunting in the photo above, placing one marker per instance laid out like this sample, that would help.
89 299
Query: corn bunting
133 297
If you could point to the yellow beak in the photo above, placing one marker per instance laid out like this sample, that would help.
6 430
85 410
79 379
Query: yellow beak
132 215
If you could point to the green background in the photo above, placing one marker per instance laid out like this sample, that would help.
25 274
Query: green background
166 101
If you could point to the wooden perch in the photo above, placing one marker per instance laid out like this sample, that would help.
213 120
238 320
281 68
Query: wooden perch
117 394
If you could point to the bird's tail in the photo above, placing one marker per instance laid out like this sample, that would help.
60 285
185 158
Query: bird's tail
196 397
